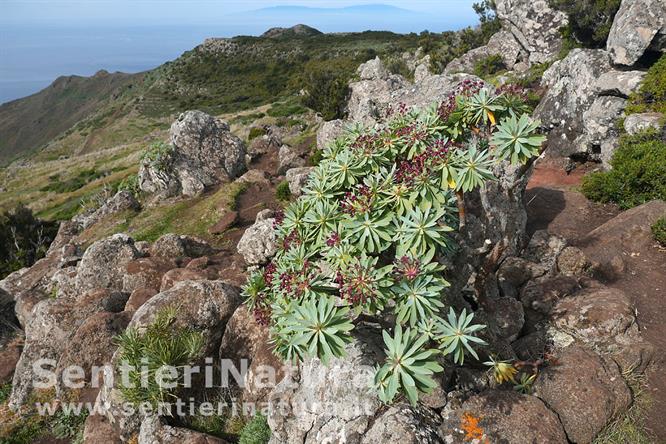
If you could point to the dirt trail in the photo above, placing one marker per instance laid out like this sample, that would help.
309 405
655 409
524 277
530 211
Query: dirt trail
554 204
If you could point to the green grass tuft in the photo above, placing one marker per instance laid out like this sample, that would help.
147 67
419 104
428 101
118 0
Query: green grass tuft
256 431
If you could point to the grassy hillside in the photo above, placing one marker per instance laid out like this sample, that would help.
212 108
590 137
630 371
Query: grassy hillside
29 123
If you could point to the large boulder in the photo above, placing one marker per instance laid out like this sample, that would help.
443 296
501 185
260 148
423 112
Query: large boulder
584 390
92 344
297 179
288 158
639 25
259 242
572 88
328 132
600 133
604 319
173 246
104 263
202 306
204 153
502 416
535 25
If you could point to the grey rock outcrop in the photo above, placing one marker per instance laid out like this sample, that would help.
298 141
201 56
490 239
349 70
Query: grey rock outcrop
121 201
328 132
572 88
535 25
585 390
504 416
297 179
259 242
371 98
176 246
502 44
288 158
204 153
639 25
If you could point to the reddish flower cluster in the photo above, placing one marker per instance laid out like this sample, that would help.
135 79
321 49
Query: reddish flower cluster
512 89
296 283
407 268
333 240
279 217
262 315
269 273
469 87
409 170
356 286
447 107
357 202
292 238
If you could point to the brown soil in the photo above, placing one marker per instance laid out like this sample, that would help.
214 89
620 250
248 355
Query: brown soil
256 197
553 203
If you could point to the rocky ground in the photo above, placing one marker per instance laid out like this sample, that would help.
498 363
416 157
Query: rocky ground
605 234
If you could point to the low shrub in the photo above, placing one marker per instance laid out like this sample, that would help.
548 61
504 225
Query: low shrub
589 21
282 191
256 431
286 109
79 181
256 131
651 95
158 155
659 230
24 239
489 65
369 233
69 425
327 87
638 173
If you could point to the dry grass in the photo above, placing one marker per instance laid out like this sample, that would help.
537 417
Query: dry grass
629 428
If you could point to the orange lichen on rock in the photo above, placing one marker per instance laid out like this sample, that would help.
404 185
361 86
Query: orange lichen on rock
473 431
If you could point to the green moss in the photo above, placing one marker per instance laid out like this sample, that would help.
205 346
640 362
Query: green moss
659 230
638 173
256 431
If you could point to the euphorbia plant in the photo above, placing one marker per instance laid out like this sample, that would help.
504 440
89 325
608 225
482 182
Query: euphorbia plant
365 239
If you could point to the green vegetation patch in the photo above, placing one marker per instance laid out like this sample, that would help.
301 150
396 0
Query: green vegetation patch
659 230
638 172
23 239
159 345
256 431
589 21
282 191
652 93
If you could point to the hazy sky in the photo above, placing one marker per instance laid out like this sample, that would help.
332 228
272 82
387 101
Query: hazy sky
180 11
